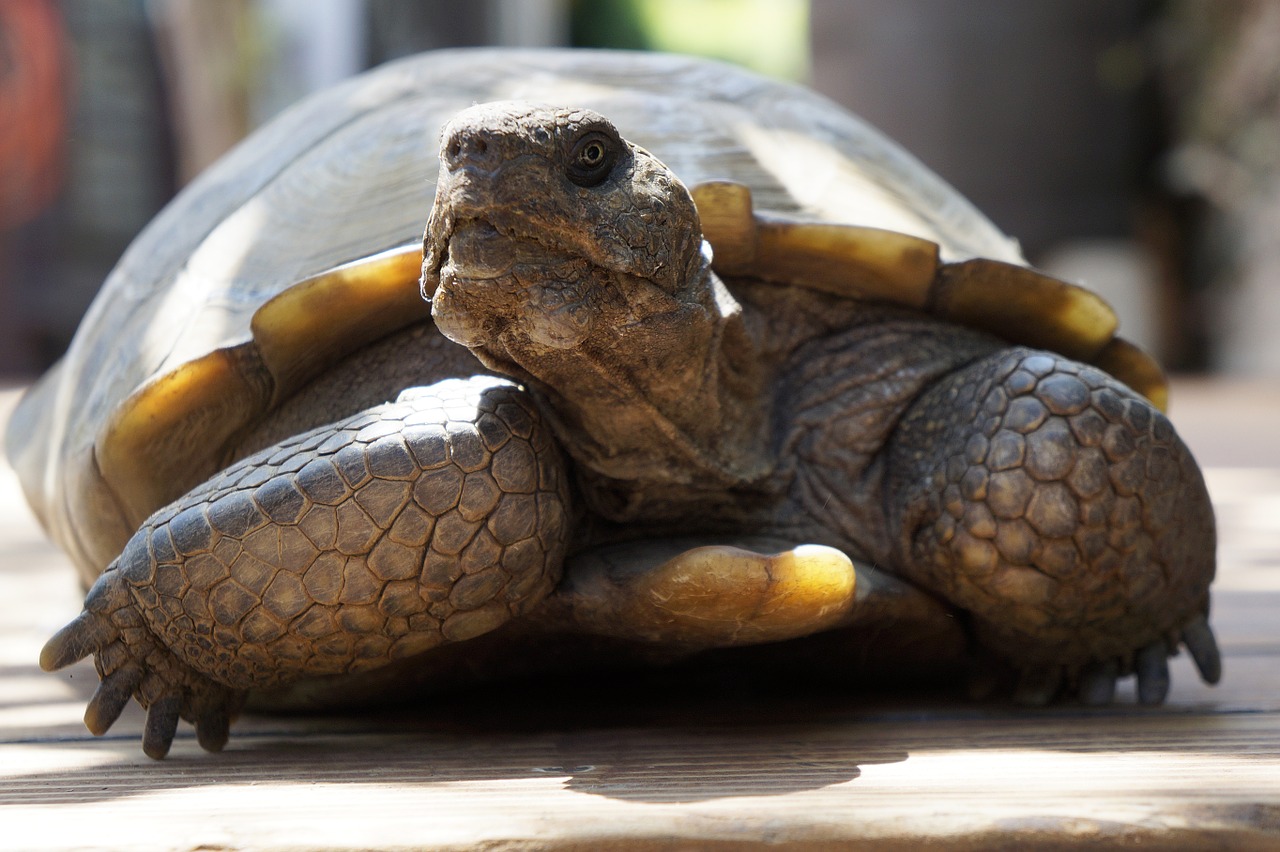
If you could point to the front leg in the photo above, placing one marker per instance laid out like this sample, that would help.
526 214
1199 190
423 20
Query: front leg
1062 511
431 519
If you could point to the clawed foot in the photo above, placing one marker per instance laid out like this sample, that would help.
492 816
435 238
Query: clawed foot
1095 684
132 663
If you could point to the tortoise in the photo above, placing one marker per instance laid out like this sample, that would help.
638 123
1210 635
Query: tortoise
687 360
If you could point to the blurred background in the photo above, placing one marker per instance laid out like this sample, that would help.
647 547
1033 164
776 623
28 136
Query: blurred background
1133 145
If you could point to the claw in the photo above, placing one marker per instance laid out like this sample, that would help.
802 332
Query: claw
1199 639
1152 667
1098 684
161 725
1037 687
213 728
85 634
110 699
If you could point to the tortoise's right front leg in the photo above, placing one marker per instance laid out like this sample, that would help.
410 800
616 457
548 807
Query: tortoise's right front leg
431 519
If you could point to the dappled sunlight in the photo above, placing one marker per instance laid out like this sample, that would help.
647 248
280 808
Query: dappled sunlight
272 814
446 792
1010 774
34 687
20 718
21 761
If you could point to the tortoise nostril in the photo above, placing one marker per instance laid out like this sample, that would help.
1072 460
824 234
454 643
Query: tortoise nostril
467 148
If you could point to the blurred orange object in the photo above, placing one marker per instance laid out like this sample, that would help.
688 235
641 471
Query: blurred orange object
33 109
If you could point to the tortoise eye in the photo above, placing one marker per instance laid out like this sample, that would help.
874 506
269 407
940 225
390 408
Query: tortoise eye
592 159
592 155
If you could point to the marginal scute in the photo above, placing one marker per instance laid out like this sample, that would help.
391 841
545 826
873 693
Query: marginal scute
724 209
169 434
1014 302
846 260
1137 369
317 322
166 436
98 527
1023 306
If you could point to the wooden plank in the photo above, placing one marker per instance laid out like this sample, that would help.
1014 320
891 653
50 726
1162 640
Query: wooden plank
954 783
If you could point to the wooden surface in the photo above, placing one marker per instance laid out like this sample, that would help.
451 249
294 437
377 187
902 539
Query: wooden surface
564 771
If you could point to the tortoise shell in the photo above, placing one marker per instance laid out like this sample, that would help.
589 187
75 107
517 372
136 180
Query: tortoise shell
304 244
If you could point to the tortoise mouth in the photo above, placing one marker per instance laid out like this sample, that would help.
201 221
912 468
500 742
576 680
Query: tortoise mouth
490 281
477 249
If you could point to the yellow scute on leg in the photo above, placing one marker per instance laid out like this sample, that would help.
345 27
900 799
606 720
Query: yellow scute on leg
717 595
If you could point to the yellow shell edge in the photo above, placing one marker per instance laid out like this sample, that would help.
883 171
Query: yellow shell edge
173 431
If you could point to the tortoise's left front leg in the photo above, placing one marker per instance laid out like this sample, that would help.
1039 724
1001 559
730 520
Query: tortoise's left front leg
1063 512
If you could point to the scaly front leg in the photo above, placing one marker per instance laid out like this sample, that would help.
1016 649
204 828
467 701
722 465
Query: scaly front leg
1062 511
431 519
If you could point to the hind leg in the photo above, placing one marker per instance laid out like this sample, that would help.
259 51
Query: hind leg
1061 510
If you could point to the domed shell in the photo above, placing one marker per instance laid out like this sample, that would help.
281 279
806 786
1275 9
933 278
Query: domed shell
302 244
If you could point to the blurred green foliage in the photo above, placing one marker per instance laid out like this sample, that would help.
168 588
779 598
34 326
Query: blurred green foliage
769 36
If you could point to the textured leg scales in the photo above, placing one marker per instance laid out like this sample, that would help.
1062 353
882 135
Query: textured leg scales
1062 511
431 519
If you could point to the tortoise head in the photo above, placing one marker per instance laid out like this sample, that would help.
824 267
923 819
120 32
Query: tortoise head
566 257
549 227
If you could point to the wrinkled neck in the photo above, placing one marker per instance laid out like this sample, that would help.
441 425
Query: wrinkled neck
674 397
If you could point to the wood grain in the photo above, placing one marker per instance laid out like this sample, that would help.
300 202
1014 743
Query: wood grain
579 767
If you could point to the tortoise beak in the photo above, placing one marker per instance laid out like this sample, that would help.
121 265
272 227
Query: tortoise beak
435 246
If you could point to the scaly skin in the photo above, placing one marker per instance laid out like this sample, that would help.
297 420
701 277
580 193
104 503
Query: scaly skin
1061 510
